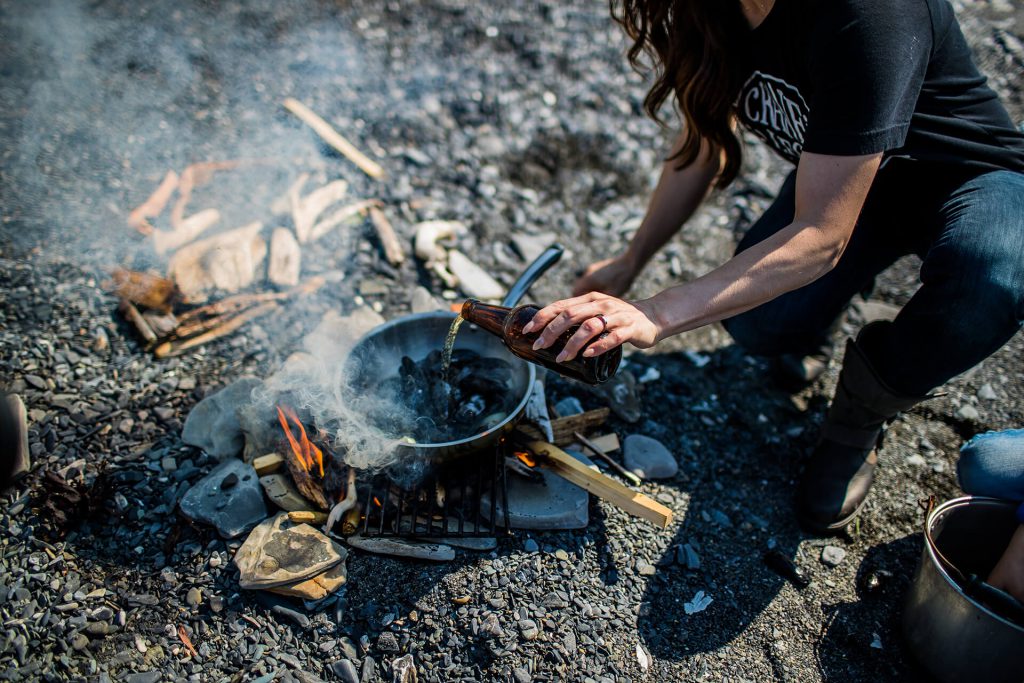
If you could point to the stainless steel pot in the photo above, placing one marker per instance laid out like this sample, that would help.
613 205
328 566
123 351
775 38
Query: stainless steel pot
378 355
955 637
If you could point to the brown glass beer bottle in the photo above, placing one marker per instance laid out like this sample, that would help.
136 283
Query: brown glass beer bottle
507 323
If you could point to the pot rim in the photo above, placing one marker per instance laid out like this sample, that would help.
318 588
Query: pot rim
512 415
929 545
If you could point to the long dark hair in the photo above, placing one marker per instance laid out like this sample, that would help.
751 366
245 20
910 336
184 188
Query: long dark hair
698 48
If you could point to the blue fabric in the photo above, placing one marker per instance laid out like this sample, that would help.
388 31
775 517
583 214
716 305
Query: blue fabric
992 464
969 233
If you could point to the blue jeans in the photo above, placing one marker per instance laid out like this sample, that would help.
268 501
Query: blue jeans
992 464
969 232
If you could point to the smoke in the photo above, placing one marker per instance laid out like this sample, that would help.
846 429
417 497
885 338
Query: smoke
320 383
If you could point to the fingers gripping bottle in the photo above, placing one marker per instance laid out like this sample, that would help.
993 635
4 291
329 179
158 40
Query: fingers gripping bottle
507 324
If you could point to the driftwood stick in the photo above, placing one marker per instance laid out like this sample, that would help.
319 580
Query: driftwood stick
154 204
238 302
174 348
133 316
334 138
388 239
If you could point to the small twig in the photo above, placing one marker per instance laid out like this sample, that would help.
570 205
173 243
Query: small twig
138 322
174 348
334 138
238 302
154 204
626 474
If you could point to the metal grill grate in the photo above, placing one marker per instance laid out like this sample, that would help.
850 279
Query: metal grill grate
391 511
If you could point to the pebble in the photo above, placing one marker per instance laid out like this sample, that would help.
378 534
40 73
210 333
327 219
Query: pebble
345 670
561 555
194 597
530 545
987 393
144 677
529 629
833 555
78 642
301 619
968 413
916 460
648 457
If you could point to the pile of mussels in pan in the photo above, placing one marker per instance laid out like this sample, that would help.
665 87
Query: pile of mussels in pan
476 395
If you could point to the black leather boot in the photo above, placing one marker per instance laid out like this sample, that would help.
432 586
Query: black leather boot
841 469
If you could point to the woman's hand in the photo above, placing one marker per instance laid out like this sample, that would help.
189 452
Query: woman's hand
612 276
613 320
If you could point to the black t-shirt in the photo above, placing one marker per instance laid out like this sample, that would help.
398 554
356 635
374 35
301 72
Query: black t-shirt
851 77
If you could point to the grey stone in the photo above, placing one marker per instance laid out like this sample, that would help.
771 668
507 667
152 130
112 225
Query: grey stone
568 406
194 597
530 545
345 670
474 280
144 677
552 503
833 555
648 457
987 393
532 246
422 301
233 511
522 675
623 399
529 629
213 423
968 412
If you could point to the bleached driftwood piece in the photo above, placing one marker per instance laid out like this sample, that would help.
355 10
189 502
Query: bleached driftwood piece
334 138
227 261
154 204
393 251
188 229
285 258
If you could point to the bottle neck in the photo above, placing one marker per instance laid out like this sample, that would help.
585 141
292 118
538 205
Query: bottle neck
486 316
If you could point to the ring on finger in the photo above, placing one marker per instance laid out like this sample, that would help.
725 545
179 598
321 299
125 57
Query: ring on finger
604 322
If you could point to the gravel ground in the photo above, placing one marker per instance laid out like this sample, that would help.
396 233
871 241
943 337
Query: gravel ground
520 119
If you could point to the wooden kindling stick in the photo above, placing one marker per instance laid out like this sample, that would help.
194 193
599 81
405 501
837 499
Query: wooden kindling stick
601 485
334 138
174 348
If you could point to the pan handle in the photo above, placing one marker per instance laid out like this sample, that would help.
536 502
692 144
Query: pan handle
532 273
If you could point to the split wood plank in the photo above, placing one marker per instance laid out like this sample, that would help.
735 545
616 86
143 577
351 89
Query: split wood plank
267 464
602 486
334 138
563 428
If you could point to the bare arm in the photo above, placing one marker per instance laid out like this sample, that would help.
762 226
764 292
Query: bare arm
678 194
830 193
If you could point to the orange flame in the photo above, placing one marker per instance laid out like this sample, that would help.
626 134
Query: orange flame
306 452
377 501
526 458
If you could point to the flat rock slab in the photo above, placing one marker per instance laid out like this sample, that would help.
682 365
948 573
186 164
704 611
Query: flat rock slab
213 424
279 552
230 498
648 457
552 503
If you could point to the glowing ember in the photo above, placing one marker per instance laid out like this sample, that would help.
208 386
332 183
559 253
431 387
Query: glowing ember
306 452
377 501
526 458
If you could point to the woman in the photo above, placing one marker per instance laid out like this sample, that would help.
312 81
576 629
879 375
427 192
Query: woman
899 148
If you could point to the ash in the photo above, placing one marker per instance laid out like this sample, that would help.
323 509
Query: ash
516 119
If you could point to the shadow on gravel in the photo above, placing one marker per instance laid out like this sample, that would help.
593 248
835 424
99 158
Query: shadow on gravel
872 623
740 443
